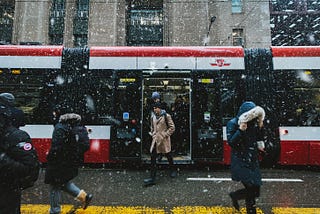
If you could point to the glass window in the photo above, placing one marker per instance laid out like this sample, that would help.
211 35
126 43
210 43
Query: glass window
56 22
80 40
145 23
6 22
313 5
232 94
298 95
237 37
80 24
236 6
38 92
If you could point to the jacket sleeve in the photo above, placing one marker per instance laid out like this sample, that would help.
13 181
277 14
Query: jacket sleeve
82 137
58 138
234 134
171 127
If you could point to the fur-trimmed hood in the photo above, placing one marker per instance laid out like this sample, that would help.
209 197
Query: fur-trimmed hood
256 112
70 117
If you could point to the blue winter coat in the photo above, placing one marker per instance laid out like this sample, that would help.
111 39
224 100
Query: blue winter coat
244 151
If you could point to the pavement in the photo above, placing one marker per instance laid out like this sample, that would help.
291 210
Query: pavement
196 189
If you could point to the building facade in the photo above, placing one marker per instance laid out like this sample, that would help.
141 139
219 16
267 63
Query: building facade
75 23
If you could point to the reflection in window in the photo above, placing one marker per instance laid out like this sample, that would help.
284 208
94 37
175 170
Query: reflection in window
56 22
283 5
236 6
6 22
145 23
80 24
39 91
298 96
232 95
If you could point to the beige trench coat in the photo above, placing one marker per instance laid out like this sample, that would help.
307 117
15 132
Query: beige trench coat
161 133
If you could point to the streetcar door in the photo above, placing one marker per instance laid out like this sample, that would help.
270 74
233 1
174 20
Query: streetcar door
174 90
207 142
125 133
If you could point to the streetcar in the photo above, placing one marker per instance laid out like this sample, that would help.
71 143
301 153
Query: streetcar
111 87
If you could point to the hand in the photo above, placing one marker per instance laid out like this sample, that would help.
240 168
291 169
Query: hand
243 126
3 157
260 123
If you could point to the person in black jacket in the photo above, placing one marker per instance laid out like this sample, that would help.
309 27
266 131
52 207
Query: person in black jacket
17 114
244 134
69 142
19 165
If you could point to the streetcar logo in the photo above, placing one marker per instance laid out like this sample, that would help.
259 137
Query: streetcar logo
220 63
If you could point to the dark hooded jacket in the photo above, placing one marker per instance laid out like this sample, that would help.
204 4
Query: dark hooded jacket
244 151
69 142
19 165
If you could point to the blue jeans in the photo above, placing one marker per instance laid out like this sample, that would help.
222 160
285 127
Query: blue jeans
55 195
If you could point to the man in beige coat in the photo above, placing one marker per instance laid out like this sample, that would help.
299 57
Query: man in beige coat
162 127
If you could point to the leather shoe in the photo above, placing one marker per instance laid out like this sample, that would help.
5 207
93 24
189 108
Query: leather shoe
149 181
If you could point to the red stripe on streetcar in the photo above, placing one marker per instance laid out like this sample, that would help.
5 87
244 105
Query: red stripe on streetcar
166 52
301 51
19 50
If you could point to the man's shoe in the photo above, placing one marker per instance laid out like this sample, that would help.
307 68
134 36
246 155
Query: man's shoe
234 201
149 181
173 173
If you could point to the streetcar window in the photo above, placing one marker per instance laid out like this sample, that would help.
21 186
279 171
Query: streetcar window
232 93
298 97
38 92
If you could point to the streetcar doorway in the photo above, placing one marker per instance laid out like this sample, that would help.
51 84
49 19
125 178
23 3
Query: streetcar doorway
175 95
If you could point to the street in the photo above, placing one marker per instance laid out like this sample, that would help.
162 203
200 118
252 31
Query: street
195 189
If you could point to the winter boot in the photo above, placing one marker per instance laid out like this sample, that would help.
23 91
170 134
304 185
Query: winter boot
234 200
152 180
84 198
251 206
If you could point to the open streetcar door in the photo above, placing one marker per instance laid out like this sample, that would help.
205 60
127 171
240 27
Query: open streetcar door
125 134
207 142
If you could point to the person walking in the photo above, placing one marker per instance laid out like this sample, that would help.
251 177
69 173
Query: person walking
19 165
244 136
162 127
69 142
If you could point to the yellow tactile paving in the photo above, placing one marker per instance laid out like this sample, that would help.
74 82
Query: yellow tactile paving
209 210
288 210
40 208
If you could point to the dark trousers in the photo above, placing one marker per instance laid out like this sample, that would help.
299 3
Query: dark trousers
249 194
154 156
10 200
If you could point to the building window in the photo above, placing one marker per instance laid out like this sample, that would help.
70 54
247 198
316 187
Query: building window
56 22
6 22
145 23
237 37
236 6
295 22
80 24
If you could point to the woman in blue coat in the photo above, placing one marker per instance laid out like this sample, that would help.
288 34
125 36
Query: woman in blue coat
244 133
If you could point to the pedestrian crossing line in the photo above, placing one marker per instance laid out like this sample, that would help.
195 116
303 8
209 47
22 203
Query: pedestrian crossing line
290 210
